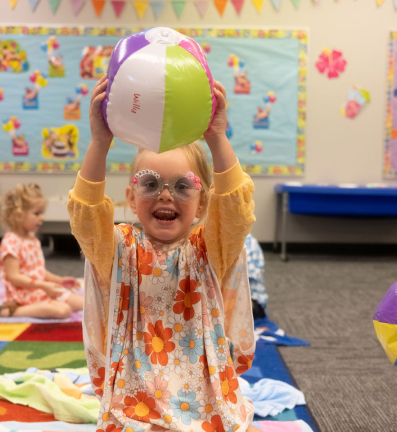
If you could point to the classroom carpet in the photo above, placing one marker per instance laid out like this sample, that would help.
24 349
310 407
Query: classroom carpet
59 345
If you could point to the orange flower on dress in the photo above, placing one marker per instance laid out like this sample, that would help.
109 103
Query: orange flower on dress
110 428
157 343
186 298
141 408
99 382
216 425
124 301
144 261
198 241
228 384
246 362
127 232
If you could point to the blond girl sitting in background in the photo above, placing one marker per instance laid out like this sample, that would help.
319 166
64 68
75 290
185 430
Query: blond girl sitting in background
31 290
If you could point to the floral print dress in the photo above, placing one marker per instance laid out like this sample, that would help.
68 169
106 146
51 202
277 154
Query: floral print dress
165 343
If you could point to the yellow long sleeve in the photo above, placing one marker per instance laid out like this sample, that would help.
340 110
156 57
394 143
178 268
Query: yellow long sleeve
229 220
91 218
230 216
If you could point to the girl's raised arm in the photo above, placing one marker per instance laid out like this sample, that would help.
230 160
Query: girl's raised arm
91 211
94 164
231 207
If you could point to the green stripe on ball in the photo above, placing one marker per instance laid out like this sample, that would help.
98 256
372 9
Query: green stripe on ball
188 103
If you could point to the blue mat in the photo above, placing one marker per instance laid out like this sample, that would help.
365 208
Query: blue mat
274 335
268 363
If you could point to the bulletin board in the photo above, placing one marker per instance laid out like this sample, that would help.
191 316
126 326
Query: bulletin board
390 149
47 75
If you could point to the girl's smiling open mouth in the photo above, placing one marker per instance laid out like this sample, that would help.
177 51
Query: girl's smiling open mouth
165 216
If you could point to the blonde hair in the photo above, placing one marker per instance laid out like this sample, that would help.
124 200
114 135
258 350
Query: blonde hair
198 160
17 202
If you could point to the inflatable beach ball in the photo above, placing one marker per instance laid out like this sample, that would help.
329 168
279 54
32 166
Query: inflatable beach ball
385 323
160 93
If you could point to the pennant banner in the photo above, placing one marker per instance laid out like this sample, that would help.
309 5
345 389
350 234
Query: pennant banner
140 7
238 4
220 5
379 2
202 6
258 5
54 5
276 4
76 6
157 8
98 6
178 6
33 4
296 3
118 6
13 3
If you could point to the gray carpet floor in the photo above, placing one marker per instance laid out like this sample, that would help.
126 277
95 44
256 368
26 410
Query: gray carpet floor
349 383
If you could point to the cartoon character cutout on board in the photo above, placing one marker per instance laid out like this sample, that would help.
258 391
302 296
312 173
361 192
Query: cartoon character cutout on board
256 147
71 111
12 57
356 100
19 146
242 85
261 119
31 98
60 143
55 68
206 48
95 61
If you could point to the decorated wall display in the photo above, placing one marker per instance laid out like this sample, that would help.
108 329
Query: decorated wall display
390 149
47 75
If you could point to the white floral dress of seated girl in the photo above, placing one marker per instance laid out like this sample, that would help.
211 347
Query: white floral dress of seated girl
164 344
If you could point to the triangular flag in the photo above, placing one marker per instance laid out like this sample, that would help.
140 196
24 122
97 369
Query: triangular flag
296 3
157 8
276 4
178 6
76 6
54 5
33 4
258 5
379 2
238 4
140 7
98 6
118 6
202 6
220 5
13 3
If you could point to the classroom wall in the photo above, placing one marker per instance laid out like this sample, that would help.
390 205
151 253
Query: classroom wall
338 149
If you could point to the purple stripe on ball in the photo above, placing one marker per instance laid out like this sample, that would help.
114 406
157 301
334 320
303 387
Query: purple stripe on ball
124 49
386 312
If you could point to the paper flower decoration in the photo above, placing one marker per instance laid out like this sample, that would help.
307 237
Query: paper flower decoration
331 62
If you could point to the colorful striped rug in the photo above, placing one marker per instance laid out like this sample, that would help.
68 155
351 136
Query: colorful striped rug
59 345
